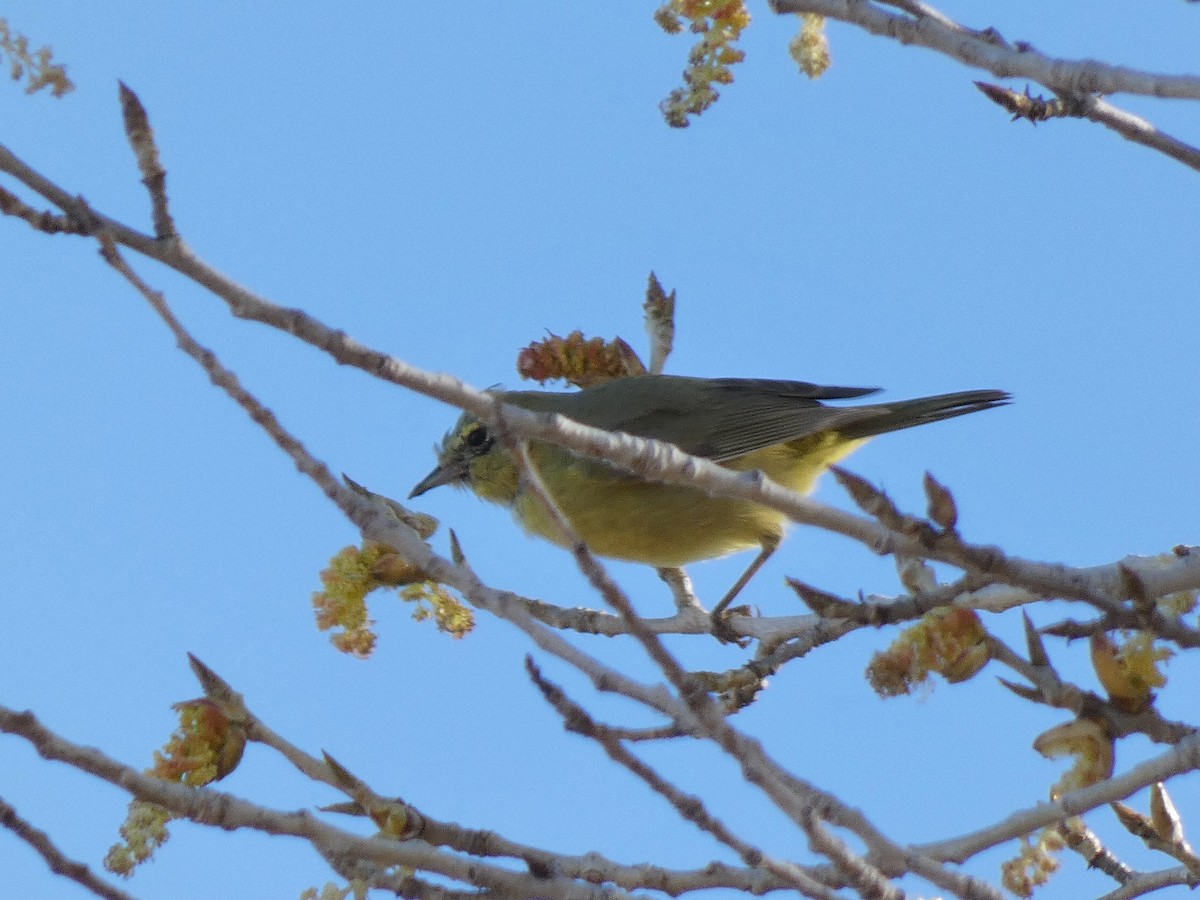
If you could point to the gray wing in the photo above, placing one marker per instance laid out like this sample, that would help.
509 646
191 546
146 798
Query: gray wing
717 418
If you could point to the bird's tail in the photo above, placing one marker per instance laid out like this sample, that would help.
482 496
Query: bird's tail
907 413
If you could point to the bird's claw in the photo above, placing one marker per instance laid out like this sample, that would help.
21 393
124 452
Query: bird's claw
721 628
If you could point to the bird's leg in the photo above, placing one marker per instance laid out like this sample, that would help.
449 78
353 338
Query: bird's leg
720 626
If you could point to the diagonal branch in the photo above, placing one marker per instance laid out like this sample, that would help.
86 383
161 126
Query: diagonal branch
1182 758
989 51
1078 81
690 808
211 807
1140 131
58 861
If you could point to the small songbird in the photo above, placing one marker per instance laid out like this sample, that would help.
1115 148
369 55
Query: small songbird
779 427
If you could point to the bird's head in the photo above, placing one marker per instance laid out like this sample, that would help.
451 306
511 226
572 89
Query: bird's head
469 456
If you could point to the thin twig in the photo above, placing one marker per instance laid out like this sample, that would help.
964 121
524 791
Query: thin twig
1143 883
59 862
690 808
40 220
867 880
1079 80
1183 757
211 807
1140 131
986 50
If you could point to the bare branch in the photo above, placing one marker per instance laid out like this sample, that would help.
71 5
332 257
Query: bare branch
1183 757
1144 883
865 878
1077 82
551 875
483 843
989 51
690 808
1084 841
59 862
1139 130
210 807
40 220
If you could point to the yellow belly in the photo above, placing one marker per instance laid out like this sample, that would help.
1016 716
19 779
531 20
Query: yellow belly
623 517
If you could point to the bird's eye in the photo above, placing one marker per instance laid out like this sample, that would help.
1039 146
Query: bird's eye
478 438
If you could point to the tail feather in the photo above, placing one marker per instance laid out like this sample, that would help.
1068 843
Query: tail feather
907 413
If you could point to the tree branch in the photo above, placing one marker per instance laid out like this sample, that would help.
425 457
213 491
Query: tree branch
1080 81
59 862
987 50
1183 757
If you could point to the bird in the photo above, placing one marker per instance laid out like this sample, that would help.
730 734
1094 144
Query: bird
781 428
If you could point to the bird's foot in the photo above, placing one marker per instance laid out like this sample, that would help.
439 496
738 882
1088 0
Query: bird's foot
721 628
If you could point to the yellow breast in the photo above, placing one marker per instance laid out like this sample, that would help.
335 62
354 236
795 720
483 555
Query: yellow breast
623 517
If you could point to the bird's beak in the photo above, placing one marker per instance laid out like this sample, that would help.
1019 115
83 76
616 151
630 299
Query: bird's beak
447 473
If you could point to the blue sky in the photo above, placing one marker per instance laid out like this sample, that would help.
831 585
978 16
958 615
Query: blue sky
448 182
